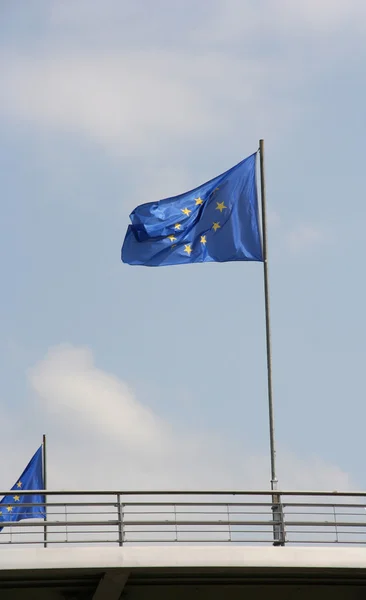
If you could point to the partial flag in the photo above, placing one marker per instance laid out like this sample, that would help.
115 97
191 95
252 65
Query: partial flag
216 222
18 506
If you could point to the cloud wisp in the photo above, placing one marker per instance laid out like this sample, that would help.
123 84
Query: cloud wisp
103 436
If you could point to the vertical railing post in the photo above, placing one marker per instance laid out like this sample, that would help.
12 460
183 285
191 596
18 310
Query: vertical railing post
228 521
335 523
278 521
120 520
66 527
175 522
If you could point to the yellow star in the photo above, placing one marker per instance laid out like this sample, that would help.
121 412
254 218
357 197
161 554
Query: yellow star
216 226
220 206
198 201
203 239
19 484
10 508
188 249
172 238
16 498
177 226
186 211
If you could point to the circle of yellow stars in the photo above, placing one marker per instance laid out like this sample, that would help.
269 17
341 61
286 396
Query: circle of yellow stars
220 206
16 498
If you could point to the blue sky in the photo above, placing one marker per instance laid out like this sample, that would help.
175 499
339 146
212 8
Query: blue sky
156 377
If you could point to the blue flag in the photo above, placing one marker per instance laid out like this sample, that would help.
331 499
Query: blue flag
17 506
216 222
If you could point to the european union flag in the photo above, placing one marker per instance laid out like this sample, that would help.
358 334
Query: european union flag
216 222
18 506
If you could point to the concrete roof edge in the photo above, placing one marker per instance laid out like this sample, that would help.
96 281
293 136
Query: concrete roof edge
182 557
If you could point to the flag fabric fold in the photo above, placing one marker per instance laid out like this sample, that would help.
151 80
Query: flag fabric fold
18 506
216 222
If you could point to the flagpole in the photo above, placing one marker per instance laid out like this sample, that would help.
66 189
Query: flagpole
44 473
278 528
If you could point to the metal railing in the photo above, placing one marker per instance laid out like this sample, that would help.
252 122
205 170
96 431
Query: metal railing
191 517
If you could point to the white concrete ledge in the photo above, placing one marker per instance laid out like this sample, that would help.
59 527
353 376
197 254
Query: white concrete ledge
183 557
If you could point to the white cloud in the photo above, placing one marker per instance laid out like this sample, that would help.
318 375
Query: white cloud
139 100
101 436
73 388
234 18
326 17
109 99
138 92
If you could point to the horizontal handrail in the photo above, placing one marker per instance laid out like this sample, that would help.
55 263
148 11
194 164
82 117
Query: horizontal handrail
196 504
185 493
